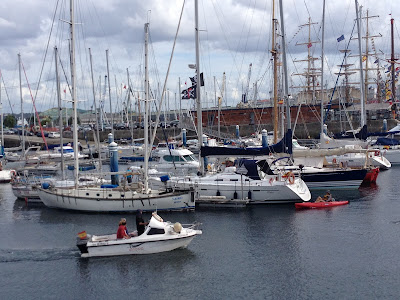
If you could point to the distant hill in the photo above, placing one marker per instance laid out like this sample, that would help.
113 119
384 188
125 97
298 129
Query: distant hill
53 112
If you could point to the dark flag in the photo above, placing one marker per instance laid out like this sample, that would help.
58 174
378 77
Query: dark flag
340 38
193 80
189 93
201 79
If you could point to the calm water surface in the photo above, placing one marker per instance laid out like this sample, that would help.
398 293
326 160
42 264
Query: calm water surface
263 252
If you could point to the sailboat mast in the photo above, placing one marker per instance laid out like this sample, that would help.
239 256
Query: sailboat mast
361 68
392 61
95 111
60 121
2 116
285 73
73 91
146 106
198 102
22 107
275 56
109 95
322 66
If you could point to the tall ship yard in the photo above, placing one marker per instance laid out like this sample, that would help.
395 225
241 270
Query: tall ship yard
199 149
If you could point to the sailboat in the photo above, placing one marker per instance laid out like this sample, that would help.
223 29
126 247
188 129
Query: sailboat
5 175
126 197
368 158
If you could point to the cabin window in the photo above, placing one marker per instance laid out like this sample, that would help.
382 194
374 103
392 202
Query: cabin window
188 158
153 231
87 194
98 195
109 195
173 158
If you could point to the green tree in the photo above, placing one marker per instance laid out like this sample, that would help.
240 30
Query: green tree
9 121
70 121
45 121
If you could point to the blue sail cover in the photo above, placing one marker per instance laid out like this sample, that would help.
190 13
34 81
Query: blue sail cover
387 142
284 146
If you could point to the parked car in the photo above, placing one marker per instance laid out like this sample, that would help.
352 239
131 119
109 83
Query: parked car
174 123
39 133
120 126
11 131
54 135
26 132
164 124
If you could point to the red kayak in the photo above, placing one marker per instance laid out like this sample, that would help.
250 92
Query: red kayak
320 204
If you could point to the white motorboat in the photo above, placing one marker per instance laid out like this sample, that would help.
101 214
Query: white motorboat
179 161
159 236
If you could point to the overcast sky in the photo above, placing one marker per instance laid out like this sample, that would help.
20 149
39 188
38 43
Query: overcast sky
233 35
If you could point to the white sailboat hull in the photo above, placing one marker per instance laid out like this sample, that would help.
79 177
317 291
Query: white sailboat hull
232 187
109 200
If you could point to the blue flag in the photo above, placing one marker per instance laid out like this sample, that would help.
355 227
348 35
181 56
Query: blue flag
341 38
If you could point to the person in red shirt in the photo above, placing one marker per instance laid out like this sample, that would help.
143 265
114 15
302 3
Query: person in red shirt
122 231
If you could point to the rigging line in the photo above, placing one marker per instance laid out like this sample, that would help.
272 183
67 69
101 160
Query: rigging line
8 98
47 48
337 78
65 75
37 114
166 79
221 13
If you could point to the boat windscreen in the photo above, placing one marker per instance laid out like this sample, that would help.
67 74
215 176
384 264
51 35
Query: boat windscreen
188 158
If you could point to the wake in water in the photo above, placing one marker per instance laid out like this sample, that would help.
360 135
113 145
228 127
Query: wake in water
21 255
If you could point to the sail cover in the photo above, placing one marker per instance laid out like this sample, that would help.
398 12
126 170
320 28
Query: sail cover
284 146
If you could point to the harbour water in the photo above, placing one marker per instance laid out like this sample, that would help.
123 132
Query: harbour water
260 252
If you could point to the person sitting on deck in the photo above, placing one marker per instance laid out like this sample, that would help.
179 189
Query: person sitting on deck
122 232
327 197
140 223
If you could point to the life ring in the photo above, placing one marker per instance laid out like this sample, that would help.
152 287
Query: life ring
377 153
13 173
334 161
291 177
271 180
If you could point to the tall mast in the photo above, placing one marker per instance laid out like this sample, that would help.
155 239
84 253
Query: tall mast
22 107
361 68
322 67
146 105
60 120
198 102
275 56
285 73
109 95
95 111
392 61
2 117
130 114
73 90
